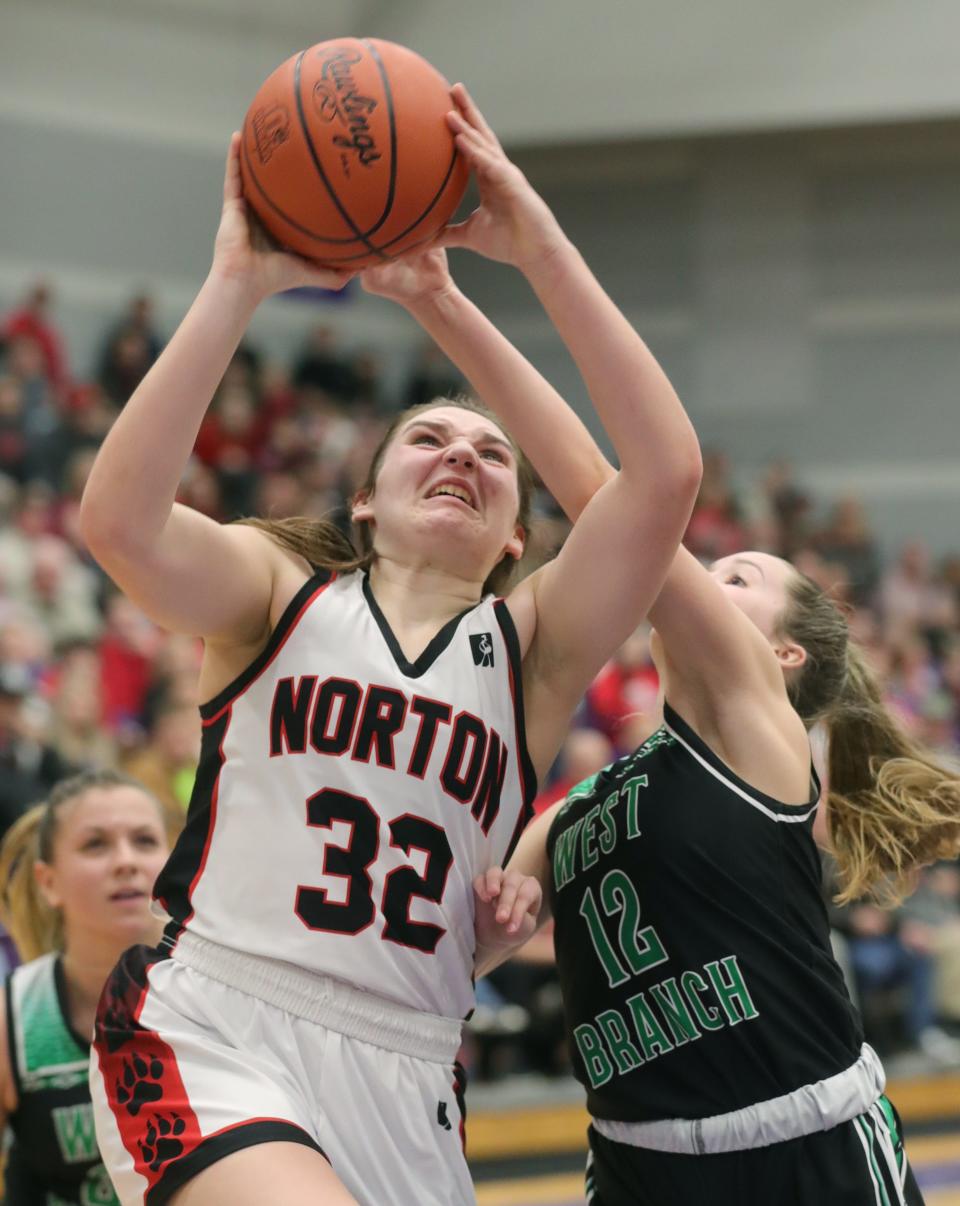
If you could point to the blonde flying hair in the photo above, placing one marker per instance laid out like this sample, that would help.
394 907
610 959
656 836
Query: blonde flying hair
891 806
324 545
35 927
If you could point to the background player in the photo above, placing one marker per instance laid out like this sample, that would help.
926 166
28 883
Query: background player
422 754
75 874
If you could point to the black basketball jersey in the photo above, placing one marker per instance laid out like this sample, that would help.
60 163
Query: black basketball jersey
54 1159
692 938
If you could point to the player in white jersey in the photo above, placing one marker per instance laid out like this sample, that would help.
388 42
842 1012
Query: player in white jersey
375 724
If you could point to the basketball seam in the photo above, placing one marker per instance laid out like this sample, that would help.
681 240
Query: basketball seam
388 97
282 213
360 236
345 259
319 166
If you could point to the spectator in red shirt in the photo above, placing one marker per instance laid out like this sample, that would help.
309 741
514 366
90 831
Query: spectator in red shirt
31 320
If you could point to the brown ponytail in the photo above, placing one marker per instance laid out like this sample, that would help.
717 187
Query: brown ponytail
323 544
891 806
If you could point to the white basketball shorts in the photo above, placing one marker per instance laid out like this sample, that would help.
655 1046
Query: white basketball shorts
187 1068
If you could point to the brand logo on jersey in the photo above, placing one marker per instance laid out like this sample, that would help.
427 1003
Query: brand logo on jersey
442 1118
481 644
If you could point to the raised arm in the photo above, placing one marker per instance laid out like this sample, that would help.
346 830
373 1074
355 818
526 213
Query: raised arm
574 612
709 642
187 572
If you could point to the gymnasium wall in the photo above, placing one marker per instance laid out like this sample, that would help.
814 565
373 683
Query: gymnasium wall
802 287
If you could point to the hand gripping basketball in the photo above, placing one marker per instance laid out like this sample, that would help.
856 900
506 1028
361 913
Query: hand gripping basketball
243 251
346 156
513 223
414 277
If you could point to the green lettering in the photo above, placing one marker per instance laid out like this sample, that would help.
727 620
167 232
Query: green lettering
674 1009
625 1054
732 991
583 788
608 838
642 949
97 1188
565 856
616 972
649 1031
75 1133
693 983
595 1059
631 789
588 853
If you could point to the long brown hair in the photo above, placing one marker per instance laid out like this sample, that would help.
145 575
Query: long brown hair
891 806
324 545
35 927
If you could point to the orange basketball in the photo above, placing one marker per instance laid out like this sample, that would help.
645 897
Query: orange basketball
347 157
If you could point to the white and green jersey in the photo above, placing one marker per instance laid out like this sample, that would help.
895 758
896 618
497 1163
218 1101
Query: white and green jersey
54 1160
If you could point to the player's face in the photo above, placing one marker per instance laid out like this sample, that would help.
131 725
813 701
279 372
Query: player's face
108 848
758 584
448 481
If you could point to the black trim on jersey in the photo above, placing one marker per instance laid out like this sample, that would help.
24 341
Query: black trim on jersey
176 882
675 723
12 1036
60 987
528 776
208 1151
209 709
426 659
169 938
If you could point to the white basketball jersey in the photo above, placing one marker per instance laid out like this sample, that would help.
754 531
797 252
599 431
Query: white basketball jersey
346 798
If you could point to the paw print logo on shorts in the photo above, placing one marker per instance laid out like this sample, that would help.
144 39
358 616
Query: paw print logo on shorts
162 1140
140 1083
116 1018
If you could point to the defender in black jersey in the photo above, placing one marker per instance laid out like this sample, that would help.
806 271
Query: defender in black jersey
707 1018
95 847
694 957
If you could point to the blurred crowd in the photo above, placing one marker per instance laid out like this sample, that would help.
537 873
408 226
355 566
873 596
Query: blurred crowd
87 680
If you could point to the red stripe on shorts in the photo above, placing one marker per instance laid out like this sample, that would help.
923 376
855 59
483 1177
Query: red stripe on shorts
140 1074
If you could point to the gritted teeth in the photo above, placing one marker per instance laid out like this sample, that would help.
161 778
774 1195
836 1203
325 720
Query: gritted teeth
453 491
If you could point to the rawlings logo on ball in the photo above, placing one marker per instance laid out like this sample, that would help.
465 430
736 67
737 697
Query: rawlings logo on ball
271 129
336 98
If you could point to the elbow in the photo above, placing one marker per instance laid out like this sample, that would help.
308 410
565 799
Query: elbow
680 478
692 471
684 472
102 529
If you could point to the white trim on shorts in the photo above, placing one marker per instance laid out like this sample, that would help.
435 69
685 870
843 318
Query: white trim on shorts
324 1000
811 1108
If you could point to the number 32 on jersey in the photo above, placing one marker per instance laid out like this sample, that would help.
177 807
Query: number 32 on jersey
351 861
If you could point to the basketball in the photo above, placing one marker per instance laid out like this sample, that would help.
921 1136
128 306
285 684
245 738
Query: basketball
346 155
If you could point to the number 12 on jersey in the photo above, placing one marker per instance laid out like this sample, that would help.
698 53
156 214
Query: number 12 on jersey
640 949
352 862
